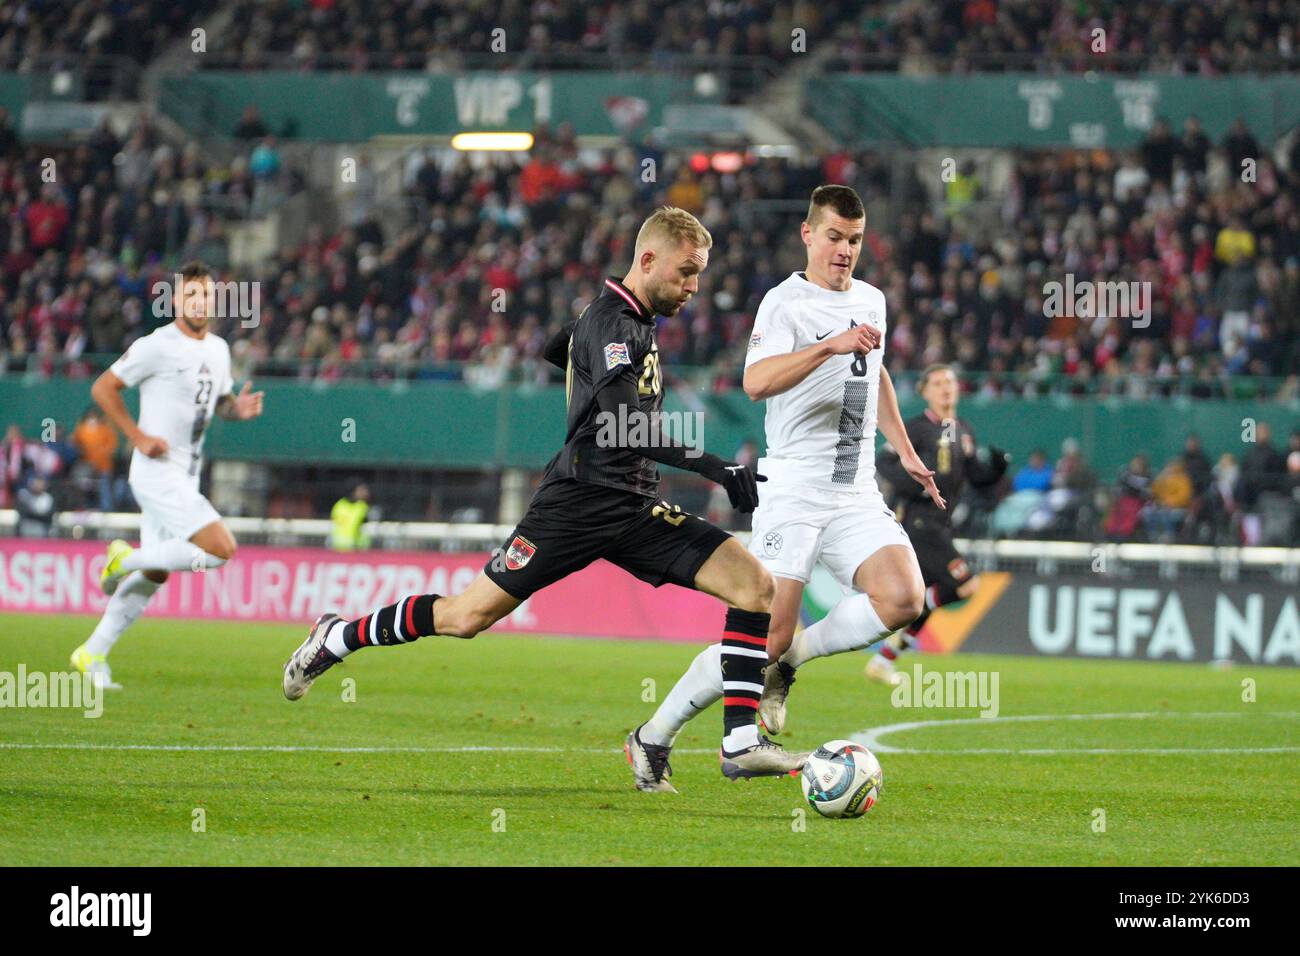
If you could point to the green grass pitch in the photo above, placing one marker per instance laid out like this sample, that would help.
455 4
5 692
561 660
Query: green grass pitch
202 724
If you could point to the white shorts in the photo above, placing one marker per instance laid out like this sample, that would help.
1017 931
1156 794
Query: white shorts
794 529
172 509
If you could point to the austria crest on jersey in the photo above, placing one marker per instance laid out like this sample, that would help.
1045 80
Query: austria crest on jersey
519 553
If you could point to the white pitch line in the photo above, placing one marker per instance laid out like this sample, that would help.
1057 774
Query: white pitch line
241 748
870 738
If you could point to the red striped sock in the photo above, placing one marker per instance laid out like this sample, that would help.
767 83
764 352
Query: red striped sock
744 655
400 623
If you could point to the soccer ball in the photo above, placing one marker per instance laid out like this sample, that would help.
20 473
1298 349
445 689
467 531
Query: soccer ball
842 779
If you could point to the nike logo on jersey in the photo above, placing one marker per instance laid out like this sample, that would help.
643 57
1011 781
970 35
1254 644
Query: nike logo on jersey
822 336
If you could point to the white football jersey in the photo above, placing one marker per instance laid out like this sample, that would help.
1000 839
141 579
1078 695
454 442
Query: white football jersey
822 432
181 380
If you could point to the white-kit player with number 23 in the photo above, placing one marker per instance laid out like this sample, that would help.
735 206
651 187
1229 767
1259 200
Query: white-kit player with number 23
183 372
815 356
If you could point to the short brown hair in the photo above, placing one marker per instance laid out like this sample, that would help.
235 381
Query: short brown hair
931 370
195 269
674 224
842 200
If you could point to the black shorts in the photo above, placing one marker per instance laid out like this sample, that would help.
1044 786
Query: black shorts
935 553
570 524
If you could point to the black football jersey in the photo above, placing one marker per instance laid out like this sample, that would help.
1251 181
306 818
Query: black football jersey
947 447
612 338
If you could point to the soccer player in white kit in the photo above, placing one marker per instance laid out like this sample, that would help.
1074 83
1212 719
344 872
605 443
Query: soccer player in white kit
183 372
816 356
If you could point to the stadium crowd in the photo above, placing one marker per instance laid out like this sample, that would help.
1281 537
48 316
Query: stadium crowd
496 257
1253 499
1196 36
1209 37
32 30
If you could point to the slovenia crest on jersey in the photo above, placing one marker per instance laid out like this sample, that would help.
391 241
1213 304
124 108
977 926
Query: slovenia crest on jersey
756 340
616 354
519 553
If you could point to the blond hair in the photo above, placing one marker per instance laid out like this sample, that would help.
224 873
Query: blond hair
676 226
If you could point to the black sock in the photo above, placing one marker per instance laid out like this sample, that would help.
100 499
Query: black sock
744 655
914 628
385 626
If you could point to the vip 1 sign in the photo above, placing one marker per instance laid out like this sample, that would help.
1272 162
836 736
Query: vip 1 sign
1188 621
294 585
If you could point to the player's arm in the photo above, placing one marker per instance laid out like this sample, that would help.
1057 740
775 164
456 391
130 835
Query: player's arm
890 466
239 408
557 347
891 426
107 393
983 473
780 373
618 399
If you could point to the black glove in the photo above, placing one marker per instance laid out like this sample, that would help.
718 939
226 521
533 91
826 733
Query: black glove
740 481
998 459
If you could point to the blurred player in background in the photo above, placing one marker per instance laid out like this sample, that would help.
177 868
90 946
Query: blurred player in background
599 498
816 357
183 371
947 446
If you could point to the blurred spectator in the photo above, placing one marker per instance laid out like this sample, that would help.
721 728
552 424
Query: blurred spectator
35 507
96 440
1293 493
1197 464
1261 490
1036 475
1194 147
1222 512
347 516
1234 243
1068 508
250 124
13 465
1132 492
1171 496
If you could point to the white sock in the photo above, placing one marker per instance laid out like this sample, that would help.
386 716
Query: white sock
852 623
173 555
740 738
334 640
126 604
693 693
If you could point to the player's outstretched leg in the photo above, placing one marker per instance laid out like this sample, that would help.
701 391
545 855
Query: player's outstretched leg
331 638
311 659
130 595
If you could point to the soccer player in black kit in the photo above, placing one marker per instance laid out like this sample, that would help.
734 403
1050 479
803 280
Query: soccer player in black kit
947 446
599 498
